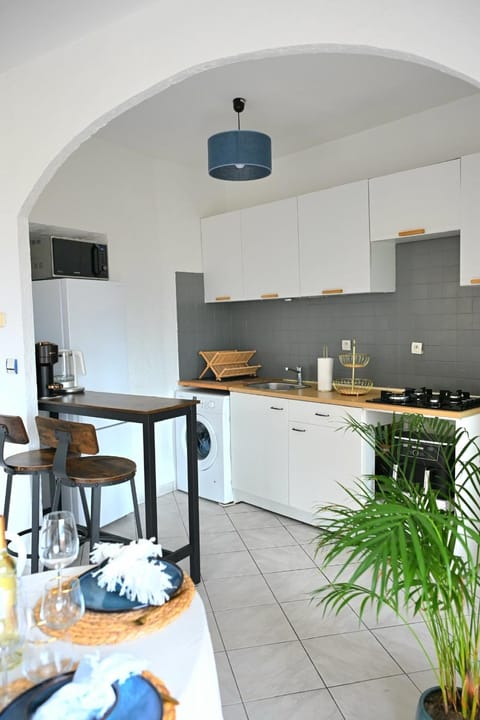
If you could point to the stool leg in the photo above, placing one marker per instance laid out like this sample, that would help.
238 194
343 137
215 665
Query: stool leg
35 519
95 516
8 497
135 508
86 511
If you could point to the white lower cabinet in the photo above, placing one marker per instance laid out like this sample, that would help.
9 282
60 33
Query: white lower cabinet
324 455
290 456
259 433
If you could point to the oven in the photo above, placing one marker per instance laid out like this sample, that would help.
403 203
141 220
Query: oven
426 461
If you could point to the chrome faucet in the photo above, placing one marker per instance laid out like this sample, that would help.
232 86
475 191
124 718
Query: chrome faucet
299 371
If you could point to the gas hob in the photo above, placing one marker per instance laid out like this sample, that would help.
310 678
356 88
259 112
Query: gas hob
454 400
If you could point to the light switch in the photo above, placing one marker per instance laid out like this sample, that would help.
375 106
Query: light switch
11 366
3 319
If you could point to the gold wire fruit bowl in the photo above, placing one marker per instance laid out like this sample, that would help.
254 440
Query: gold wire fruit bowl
356 360
359 386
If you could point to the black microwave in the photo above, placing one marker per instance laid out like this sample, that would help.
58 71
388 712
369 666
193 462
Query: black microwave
56 257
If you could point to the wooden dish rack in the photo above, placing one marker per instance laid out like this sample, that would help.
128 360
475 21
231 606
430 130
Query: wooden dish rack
228 363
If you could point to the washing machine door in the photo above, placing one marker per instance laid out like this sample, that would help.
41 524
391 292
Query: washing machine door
207 445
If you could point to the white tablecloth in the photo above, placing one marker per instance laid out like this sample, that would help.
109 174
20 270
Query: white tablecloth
180 654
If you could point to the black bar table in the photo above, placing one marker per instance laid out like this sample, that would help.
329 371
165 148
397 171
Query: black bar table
147 411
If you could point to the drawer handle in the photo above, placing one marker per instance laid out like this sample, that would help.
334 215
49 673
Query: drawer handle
415 231
332 291
298 430
223 297
266 296
272 407
322 414
475 281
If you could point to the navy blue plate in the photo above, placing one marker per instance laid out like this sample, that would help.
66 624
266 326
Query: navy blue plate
99 600
136 697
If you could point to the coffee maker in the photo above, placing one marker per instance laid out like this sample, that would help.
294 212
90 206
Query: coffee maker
46 355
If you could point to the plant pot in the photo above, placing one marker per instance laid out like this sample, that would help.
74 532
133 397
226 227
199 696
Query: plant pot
422 714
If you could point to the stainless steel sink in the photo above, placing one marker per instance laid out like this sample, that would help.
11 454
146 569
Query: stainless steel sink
276 386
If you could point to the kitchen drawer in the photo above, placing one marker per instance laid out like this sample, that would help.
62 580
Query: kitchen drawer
314 413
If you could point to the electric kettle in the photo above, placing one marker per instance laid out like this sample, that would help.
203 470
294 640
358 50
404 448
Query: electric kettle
70 364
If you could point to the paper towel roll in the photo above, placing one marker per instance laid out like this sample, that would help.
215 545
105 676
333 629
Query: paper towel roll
324 373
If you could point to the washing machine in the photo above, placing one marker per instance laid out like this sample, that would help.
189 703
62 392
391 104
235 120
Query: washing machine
213 446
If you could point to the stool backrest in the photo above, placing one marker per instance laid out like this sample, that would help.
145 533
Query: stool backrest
83 436
15 429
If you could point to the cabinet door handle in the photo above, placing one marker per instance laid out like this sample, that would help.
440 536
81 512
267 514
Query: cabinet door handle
272 407
266 296
415 231
298 430
475 281
223 297
332 291
322 414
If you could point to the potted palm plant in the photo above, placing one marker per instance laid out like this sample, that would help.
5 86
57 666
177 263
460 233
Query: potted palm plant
419 552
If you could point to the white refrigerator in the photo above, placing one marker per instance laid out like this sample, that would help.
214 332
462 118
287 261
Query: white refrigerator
90 315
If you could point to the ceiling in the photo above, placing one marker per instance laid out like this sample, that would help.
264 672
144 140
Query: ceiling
301 100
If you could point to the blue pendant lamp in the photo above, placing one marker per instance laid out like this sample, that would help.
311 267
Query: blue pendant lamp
239 154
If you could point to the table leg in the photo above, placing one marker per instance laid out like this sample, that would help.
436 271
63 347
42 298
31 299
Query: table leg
193 513
150 479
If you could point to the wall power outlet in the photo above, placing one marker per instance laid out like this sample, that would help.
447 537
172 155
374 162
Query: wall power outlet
346 345
416 348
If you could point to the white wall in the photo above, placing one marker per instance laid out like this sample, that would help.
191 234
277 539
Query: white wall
150 214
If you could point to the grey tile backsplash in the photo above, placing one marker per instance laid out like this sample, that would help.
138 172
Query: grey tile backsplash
428 306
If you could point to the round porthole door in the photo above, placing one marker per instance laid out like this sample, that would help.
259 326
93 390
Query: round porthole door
206 443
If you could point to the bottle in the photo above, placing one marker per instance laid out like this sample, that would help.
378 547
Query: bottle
9 634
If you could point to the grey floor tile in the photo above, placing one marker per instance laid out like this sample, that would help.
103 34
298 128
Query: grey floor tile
285 558
217 642
312 705
304 534
271 670
424 679
241 507
229 593
215 523
212 543
402 645
295 584
224 565
309 620
257 519
394 698
350 658
267 537
249 626
200 588
228 687
234 712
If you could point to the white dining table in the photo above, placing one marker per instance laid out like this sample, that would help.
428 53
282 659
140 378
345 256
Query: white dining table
180 654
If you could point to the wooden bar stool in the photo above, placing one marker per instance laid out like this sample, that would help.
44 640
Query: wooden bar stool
35 463
93 472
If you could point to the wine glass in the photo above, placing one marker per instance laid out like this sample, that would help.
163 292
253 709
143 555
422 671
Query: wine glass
58 544
62 605
45 656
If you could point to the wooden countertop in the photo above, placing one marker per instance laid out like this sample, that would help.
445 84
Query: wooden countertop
311 394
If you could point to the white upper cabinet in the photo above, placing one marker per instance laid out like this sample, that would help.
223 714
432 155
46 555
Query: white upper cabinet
334 240
270 250
470 209
222 257
413 203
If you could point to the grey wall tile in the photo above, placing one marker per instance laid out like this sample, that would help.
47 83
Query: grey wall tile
429 306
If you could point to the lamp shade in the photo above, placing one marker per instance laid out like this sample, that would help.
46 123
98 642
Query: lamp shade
239 155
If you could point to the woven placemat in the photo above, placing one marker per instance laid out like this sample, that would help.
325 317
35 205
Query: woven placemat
100 628
19 686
